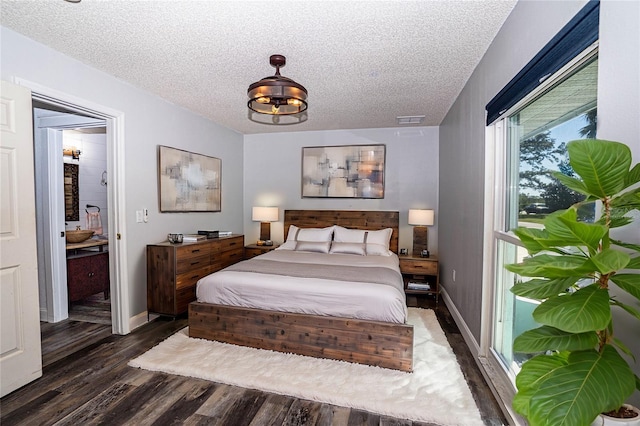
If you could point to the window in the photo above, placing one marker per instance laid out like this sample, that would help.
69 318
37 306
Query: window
533 146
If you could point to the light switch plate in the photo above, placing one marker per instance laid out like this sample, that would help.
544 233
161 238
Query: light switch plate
139 216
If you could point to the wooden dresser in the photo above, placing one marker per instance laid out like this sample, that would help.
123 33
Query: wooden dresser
174 269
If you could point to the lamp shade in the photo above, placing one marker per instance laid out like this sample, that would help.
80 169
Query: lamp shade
264 214
421 217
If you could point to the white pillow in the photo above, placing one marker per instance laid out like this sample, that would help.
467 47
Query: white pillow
306 234
344 235
377 250
314 246
348 248
381 237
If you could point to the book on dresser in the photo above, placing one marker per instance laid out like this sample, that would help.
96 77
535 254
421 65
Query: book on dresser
191 238
174 269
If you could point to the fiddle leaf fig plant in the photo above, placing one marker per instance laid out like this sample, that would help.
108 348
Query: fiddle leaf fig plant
580 368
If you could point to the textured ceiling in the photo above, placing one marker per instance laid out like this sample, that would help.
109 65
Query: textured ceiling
363 62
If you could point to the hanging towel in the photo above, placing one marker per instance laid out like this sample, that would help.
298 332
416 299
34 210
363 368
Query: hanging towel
94 222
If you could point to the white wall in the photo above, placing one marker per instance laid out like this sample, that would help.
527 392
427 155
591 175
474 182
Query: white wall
528 28
273 161
619 120
92 162
149 122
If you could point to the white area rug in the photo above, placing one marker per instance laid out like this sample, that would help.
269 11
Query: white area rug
434 392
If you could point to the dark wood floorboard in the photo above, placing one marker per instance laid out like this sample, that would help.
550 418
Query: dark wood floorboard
86 381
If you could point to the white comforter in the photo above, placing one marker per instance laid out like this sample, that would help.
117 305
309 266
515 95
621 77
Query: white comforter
314 296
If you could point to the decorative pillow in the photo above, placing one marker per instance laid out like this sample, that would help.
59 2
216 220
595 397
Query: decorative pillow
306 234
314 246
381 237
344 235
377 250
348 248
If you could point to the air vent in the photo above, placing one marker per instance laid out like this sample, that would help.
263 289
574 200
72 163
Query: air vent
410 119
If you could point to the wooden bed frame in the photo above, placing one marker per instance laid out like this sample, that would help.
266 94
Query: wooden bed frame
376 343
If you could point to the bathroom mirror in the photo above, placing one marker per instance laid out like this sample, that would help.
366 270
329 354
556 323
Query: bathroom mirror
71 191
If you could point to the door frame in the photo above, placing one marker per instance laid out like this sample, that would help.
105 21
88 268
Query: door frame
114 119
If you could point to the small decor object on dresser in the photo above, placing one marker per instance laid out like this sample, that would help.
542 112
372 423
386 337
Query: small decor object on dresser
175 238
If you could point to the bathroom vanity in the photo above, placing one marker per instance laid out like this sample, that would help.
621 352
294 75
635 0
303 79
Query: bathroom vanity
87 269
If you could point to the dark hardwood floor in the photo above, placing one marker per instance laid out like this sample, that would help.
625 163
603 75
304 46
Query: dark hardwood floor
87 381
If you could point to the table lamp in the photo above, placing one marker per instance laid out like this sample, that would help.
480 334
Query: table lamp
265 215
421 219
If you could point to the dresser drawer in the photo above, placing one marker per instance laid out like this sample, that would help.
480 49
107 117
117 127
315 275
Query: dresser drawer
184 296
192 257
227 258
190 278
410 266
228 244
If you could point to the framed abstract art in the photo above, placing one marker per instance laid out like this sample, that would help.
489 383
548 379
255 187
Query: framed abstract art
188 182
347 171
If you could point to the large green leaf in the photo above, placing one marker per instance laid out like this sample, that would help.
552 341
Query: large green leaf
602 165
615 222
589 384
627 308
571 183
634 263
634 247
521 401
567 230
610 260
530 238
533 373
549 266
539 368
585 310
627 201
547 338
629 283
634 176
537 240
541 289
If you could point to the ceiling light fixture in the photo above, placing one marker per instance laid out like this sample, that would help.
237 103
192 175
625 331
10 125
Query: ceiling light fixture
277 99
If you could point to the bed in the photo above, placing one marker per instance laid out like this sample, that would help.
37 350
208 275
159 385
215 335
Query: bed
248 303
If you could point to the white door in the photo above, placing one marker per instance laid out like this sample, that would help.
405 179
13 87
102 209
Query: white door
20 352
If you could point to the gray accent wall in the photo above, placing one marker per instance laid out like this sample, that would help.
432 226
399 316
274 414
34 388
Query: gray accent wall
529 27
462 134
273 163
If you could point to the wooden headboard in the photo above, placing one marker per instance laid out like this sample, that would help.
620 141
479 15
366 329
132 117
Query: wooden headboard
354 219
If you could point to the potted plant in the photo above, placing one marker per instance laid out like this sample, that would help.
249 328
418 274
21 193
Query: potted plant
579 369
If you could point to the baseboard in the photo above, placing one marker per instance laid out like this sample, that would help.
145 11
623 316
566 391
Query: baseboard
139 320
501 390
43 315
474 347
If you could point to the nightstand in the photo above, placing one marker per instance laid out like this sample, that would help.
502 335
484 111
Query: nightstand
253 250
421 275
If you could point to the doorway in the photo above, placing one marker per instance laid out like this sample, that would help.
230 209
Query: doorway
71 193
114 123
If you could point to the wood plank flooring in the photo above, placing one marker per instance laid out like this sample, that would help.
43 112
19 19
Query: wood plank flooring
87 382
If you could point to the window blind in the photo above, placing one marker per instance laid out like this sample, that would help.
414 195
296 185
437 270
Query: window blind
574 37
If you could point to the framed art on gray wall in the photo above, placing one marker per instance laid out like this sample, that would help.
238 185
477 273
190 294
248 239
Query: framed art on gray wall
188 182
347 171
